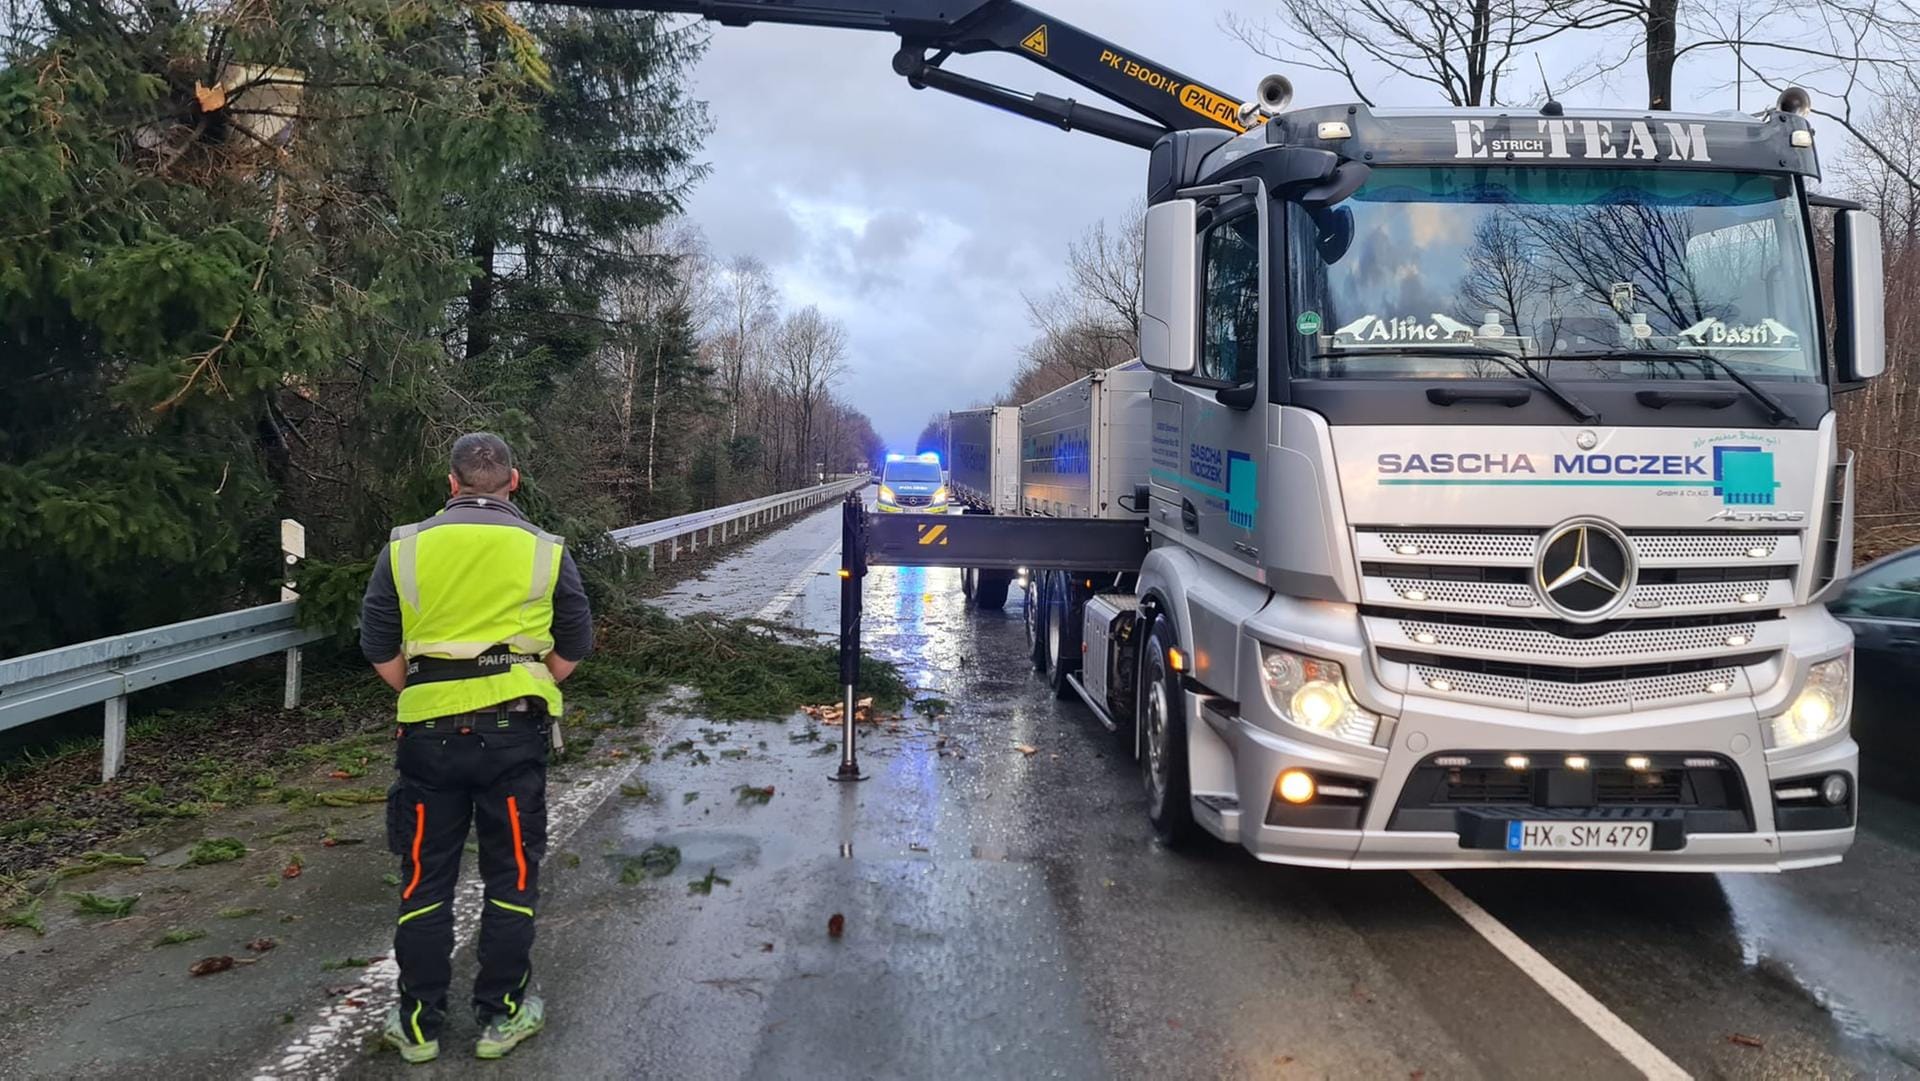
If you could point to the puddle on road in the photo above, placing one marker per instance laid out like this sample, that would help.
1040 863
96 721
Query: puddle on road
722 851
1792 942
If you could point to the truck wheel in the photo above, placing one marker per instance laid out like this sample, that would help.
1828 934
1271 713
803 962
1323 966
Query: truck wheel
1035 611
1063 634
968 576
990 590
1163 750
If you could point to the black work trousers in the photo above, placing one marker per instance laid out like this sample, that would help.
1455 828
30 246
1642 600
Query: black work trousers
488 769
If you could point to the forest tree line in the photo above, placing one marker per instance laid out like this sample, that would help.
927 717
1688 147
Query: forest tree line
265 259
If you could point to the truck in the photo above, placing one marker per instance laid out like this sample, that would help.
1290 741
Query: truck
1493 489
983 458
1083 452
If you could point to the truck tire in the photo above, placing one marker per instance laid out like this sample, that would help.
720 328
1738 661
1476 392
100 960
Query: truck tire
990 590
1163 741
1034 609
968 576
1063 634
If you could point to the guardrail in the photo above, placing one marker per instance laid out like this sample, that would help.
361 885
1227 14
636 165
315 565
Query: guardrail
40 685
107 670
724 523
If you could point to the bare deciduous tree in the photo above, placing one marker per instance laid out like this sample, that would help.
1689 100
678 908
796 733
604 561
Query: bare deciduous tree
749 305
677 293
1462 49
809 356
1104 265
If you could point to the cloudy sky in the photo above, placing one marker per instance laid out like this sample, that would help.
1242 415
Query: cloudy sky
919 219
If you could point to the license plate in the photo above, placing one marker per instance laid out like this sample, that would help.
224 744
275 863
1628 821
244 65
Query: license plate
1579 837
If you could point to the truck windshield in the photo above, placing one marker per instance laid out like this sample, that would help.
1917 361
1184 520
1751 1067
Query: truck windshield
1586 273
913 472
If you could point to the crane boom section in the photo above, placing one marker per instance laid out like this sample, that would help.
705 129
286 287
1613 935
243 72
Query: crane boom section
931 30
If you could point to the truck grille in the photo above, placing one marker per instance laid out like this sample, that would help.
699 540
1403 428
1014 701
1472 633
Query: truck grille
1453 613
913 500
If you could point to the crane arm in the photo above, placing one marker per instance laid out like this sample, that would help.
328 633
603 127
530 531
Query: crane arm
931 31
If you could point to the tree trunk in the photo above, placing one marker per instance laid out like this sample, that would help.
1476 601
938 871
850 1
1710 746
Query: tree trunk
653 418
480 297
1662 25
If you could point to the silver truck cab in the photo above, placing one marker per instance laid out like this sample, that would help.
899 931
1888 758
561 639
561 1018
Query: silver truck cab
1500 493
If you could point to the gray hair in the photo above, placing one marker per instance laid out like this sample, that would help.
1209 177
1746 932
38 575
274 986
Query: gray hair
482 462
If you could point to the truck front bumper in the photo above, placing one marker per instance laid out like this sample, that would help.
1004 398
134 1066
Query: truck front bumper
1378 842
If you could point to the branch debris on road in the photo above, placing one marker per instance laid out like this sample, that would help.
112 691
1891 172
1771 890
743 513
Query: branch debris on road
207 966
657 861
100 904
706 885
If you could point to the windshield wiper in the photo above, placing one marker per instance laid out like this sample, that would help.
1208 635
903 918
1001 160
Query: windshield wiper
1776 408
1580 409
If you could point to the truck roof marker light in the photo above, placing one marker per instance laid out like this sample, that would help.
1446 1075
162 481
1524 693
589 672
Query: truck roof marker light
1639 762
1577 761
1801 139
1176 660
1518 761
1295 786
845 573
1333 129
1701 763
1453 760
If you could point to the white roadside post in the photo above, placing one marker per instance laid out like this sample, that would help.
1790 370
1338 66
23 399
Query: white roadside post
113 750
293 548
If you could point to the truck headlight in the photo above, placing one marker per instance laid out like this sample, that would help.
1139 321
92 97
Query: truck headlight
940 494
1823 706
886 494
1310 693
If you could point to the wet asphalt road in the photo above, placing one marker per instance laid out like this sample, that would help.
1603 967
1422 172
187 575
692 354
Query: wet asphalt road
1008 915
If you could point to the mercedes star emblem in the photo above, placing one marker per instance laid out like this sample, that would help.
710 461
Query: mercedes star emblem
1587 440
1584 570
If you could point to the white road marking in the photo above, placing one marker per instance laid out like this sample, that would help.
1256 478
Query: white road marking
784 599
1632 1046
330 1043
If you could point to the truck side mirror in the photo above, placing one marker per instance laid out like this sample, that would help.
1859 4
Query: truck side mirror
1170 290
1860 292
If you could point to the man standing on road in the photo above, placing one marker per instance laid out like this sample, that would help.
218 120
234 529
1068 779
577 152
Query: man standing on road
474 616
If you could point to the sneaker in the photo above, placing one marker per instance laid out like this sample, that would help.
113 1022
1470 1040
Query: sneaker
407 1040
503 1034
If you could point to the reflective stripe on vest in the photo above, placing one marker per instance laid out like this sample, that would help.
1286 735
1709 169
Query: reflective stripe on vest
464 589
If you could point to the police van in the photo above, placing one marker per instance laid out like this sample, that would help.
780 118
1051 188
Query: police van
913 485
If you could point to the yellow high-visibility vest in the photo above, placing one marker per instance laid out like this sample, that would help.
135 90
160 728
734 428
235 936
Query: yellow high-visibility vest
464 590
